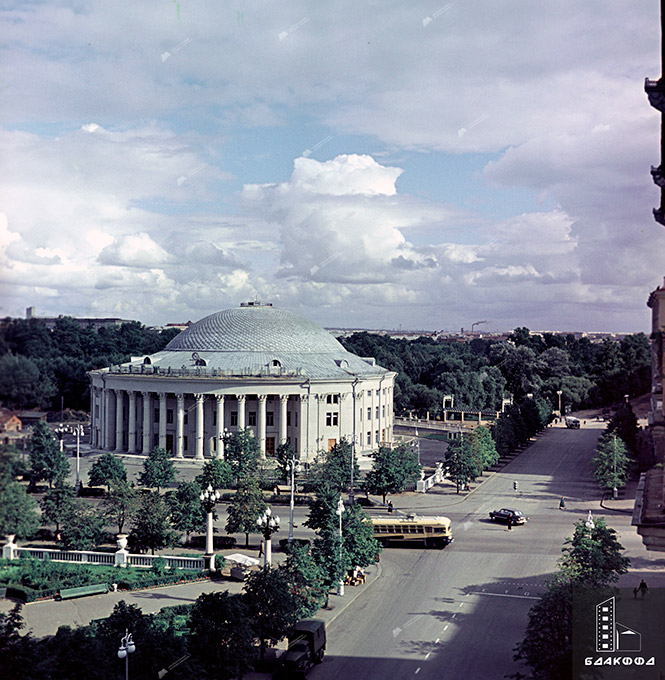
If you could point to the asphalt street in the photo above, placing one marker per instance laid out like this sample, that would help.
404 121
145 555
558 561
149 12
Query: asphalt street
459 612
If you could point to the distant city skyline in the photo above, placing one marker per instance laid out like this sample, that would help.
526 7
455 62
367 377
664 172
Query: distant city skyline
363 165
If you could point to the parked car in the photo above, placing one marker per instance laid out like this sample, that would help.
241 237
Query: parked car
509 516
307 645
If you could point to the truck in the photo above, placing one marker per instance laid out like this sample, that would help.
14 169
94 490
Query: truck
307 646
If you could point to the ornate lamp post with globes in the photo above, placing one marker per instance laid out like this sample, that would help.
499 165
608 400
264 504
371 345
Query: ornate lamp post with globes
269 524
127 647
209 498
293 466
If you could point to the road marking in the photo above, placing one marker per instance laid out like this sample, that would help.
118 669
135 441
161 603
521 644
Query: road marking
436 642
418 669
461 604
454 615
523 597
427 655
445 627
415 618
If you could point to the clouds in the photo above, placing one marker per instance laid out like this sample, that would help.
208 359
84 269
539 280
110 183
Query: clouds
156 153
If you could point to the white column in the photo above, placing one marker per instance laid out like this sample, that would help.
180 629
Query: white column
131 448
162 420
109 430
283 402
220 425
262 424
241 410
303 428
179 425
147 408
199 426
119 419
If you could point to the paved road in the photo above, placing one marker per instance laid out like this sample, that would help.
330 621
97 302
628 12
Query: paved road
459 612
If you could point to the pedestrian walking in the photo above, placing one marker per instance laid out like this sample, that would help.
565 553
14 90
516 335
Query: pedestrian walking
510 525
390 507
261 549
562 504
643 588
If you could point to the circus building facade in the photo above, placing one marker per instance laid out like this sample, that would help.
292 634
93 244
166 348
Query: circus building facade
255 366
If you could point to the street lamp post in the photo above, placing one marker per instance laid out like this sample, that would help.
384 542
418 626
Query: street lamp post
559 392
208 498
615 493
269 524
340 512
353 444
127 647
294 467
60 431
78 431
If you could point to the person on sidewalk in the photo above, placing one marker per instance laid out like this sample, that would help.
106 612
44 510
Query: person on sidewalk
390 507
643 588
261 549
562 504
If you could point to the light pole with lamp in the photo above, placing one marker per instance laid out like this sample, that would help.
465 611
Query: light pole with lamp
60 431
353 443
340 512
209 498
294 466
559 392
78 431
127 647
269 524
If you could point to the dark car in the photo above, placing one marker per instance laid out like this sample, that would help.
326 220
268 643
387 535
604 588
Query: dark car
509 516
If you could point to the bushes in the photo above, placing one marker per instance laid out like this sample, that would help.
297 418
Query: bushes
25 594
131 579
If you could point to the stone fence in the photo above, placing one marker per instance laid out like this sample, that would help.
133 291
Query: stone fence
120 558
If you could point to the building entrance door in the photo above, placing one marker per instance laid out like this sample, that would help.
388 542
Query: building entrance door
169 443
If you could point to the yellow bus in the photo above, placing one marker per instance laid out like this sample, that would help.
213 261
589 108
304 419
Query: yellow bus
433 531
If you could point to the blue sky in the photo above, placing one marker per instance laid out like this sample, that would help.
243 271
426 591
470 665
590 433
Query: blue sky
369 164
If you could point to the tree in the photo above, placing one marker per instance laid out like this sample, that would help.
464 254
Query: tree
336 466
82 527
20 658
107 469
271 606
624 426
46 460
306 579
592 557
283 455
322 511
611 464
221 638
245 508
187 511
151 527
18 511
360 546
461 465
547 646
241 452
120 503
57 502
158 470
483 448
21 384
392 469
215 473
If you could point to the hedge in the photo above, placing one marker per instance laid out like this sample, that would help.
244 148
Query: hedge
25 594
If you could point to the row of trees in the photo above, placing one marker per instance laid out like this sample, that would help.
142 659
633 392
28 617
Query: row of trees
478 373
39 366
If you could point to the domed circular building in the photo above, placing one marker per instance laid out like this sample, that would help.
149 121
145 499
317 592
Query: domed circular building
256 367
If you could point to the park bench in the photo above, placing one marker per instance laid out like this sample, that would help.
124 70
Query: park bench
82 591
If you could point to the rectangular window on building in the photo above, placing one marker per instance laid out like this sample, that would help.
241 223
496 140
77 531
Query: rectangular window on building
156 415
295 419
332 419
377 412
295 446
155 440
377 393
184 443
376 434
169 415
251 418
383 435
369 413
288 418
185 419
214 417
234 418
270 418
383 411
369 439
335 418
332 399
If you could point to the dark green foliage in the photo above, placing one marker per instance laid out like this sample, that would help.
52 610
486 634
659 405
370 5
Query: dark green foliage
221 638
18 511
18 651
57 503
611 464
306 578
271 606
462 464
335 468
158 470
46 460
392 470
151 528
21 383
245 508
283 454
216 473
187 511
624 426
82 527
241 452
360 546
120 503
106 469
